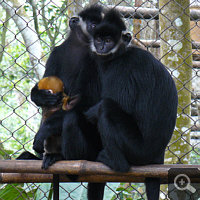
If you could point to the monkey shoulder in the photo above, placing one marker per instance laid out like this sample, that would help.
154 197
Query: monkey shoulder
56 56
139 54
144 60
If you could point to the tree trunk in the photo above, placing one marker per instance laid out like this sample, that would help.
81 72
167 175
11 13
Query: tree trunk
91 2
3 36
26 28
137 22
176 54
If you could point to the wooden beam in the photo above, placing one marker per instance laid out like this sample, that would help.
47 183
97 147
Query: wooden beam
25 171
148 13
48 178
156 43
79 167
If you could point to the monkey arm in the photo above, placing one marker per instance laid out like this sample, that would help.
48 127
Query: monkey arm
51 126
92 113
44 97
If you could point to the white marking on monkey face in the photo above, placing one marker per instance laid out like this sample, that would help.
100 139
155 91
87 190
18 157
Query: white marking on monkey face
124 32
93 48
112 51
83 26
75 16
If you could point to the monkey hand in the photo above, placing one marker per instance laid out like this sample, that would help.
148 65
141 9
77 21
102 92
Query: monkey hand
49 159
45 97
38 144
92 114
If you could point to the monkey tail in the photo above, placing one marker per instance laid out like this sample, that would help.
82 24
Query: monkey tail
95 191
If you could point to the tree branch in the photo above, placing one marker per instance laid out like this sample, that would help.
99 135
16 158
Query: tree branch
3 37
26 28
35 18
45 22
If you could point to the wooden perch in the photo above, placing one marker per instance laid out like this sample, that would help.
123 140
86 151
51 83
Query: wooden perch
26 171
156 43
148 13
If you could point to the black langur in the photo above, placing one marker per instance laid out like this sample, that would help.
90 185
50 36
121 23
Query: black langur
137 112
53 84
73 64
52 145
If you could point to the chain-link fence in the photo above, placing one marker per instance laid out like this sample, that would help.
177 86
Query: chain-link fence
28 32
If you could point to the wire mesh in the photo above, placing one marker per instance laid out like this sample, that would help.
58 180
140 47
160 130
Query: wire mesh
28 32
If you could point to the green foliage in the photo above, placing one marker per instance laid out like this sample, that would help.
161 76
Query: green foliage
45 189
4 153
52 23
16 191
129 191
19 116
17 127
195 156
15 107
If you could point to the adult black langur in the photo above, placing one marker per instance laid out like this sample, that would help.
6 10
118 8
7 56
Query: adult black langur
69 61
73 64
137 113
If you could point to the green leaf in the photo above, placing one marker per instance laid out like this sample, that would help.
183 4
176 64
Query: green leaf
32 193
44 188
120 189
10 192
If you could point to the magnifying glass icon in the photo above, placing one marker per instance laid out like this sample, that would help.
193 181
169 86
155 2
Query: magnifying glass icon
182 182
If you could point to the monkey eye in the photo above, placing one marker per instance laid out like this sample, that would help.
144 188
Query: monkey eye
94 26
98 40
108 40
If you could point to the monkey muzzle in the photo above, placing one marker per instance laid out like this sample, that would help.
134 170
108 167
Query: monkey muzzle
73 22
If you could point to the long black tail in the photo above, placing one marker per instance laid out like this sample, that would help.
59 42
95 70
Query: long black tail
152 188
95 191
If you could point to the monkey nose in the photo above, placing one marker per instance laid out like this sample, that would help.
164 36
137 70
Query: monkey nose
102 47
73 22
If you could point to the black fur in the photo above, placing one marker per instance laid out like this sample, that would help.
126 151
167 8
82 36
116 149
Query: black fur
73 64
27 155
137 113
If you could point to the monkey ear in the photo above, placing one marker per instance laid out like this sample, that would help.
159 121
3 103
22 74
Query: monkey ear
126 37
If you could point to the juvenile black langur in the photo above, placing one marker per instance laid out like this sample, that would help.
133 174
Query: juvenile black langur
52 145
137 112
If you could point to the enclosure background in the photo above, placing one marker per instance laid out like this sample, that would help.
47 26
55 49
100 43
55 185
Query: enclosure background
28 32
